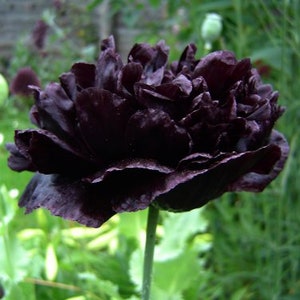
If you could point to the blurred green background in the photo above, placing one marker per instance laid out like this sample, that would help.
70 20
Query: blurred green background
242 246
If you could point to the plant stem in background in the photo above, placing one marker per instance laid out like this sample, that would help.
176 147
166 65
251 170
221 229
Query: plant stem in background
237 4
149 251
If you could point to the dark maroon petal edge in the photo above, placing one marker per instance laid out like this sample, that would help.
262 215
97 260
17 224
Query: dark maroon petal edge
247 171
69 199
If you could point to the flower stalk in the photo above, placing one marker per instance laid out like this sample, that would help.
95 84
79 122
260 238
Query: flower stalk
153 213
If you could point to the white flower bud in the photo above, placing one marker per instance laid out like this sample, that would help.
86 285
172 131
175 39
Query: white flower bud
211 29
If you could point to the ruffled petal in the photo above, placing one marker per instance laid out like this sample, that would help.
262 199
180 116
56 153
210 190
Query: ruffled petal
92 204
48 154
142 164
102 118
221 70
153 134
151 58
72 200
168 97
68 83
193 188
108 43
141 53
266 171
18 161
187 59
54 111
84 74
108 67
129 75
179 88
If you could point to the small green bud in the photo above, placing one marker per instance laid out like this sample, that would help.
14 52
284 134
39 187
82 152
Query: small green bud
211 28
4 90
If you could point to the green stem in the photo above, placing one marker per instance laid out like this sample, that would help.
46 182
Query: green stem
149 251
240 32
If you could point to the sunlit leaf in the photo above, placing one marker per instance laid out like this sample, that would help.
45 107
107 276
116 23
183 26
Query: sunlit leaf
51 264
157 293
178 228
8 206
77 298
136 268
14 263
83 232
98 285
176 275
241 294
29 233
102 241
132 225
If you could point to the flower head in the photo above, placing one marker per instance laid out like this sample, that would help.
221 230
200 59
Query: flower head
24 78
211 29
39 34
115 137
57 4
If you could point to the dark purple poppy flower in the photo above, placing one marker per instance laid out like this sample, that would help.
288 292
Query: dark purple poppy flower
39 34
20 83
117 137
57 4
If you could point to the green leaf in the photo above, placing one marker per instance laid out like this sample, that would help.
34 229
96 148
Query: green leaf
157 293
14 263
93 4
113 268
270 55
178 229
77 298
155 3
30 233
170 275
108 288
15 292
28 291
176 275
94 284
8 206
240 294
136 268
132 225
83 232
13 259
103 240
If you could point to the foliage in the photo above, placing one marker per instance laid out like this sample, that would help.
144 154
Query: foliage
240 247
107 261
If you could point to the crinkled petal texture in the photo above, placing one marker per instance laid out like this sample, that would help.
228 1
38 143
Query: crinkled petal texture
115 137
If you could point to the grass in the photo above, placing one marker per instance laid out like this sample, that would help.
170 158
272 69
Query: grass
256 247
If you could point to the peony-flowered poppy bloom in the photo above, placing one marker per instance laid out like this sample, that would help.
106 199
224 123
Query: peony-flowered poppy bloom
115 137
